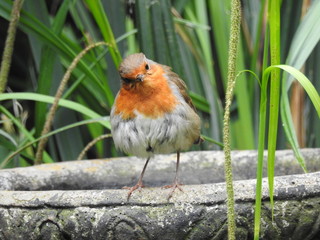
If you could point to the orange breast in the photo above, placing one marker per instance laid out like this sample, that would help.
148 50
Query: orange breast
152 97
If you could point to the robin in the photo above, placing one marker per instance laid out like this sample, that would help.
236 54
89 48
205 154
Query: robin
152 114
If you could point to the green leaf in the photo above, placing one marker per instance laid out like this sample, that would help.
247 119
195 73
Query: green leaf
305 39
59 130
26 134
48 99
143 21
100 16
261 138
274 24
33 26
47 65
305 83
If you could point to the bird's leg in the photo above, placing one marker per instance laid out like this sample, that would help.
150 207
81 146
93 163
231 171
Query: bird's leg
139 184
175 183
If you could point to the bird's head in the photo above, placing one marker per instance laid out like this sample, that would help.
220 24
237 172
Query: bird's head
134 69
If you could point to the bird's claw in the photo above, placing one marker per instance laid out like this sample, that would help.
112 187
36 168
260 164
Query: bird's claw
138 187
174 186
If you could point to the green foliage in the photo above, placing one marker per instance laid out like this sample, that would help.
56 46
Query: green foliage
274 26
193 32
190 36
297 60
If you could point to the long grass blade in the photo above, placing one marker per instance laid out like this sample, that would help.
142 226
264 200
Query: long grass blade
261 138
305 83
274 23
27 134
56 131
101 19
63 46
47 64
305 39
143 21
48 99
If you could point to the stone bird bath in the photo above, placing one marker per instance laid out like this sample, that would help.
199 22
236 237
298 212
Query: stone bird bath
84 199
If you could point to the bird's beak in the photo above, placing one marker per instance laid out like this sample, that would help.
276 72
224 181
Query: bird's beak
139 78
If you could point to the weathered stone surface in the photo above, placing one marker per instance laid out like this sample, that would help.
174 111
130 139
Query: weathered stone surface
197 213
195 168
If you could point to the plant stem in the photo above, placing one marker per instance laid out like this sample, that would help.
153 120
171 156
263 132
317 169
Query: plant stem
233 49
8 48
52 111
91 144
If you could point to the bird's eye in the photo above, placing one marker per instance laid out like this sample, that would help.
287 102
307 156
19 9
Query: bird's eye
147 67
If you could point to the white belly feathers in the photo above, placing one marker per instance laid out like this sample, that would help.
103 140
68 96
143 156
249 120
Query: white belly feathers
144 137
